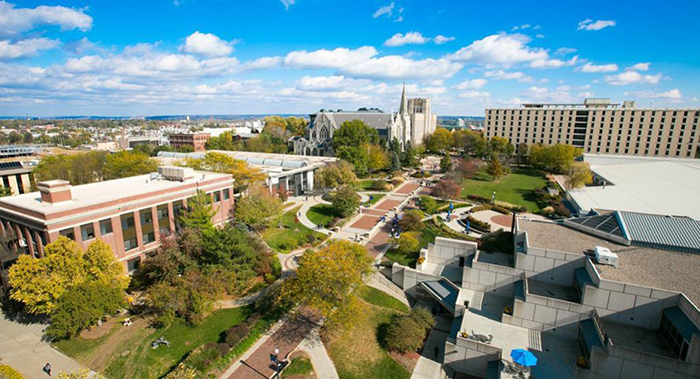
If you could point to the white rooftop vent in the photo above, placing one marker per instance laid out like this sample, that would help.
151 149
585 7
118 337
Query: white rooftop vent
604 256
176 173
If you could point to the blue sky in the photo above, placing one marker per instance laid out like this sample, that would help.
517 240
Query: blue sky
155 57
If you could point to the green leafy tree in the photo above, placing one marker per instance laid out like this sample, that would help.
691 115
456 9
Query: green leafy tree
555 158
445 163
407 332
199 212
125 163
500 146
409 158
440 141
39 283
335 175
225 141
523 151
259 208
354 133
326 278
377 158
82 306
579 175
77 169
411 221
428 204
5 191
395 154
243 174
470 142
407 242
495 168
345 201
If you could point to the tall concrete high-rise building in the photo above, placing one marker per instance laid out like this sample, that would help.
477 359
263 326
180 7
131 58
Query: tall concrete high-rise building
423 121
598 126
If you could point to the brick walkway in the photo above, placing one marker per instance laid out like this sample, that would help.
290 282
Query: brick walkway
286 339
387 204
407 188
365 222
377 244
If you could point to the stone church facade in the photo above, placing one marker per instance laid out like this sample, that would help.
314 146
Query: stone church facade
411 124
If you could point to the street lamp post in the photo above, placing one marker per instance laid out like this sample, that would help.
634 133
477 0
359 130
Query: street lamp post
275 359
493 197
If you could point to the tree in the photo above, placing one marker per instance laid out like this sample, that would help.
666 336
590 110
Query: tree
447 189
523 153
123 164
500 146
354 133
82 306
5 191
39 283
358 156
466 168
77 169
259 208
243 174
408 331
377 158
326 277
411 221
579 175
494 167
335 175
428 204
445 163
225 141
470 142
407 242
199 212
345 201
395 154
555 158
409 158
440 141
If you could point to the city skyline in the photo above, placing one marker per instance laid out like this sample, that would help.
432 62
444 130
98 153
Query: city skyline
298 56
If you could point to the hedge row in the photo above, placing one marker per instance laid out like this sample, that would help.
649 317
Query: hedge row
478 223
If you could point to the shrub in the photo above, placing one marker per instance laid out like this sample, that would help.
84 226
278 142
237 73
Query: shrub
379 184
408 242
253 318
428 204
182 371
478 223
411 221
397 180
235 334
202 357
223 348
7 372
478 198
498 241
407 332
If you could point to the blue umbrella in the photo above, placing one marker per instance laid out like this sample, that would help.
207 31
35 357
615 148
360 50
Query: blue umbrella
523 357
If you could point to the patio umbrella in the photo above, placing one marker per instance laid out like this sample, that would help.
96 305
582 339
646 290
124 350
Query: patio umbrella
523 357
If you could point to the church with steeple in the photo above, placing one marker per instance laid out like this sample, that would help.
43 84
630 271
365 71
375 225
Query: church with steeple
410 125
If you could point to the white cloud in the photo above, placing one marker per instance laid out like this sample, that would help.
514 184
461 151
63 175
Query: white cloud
589 24
553 63
415 38
364 63
25 48
322 82
544 94
565 50
206 45
590 67
506 49
673 94
385 10
287 3
632 77
517 27
14 21
586 95
505 75
471 84
474 95
440 39
399 39
639 67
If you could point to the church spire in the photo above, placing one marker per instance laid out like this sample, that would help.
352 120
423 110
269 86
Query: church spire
404 105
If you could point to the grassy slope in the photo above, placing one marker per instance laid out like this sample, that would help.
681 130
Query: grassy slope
379 298
322 214
515 188
292 235
299 366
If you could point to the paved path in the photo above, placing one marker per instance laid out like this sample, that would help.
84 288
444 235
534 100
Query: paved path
323 365
429 366
22 348
286 339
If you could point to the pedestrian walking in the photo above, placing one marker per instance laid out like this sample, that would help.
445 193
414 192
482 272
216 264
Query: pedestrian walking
47 368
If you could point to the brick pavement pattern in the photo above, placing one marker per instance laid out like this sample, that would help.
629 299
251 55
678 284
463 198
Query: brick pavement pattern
407 188
388 204
365 222
286 339
379 242
503 220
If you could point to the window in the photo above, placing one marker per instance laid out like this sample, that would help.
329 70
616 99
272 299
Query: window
163 219
217 196
133 264
87 231
147 230
105 226
129 232
68 233
226 194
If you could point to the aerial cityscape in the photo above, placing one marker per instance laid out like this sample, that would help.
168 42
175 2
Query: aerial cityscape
373 189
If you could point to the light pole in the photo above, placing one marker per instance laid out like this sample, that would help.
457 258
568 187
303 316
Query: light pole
493 197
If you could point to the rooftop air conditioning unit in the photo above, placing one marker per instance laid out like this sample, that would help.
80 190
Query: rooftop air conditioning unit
176 173
604 256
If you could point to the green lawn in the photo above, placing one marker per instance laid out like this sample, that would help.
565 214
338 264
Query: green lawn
144 362
322 214
292 234
358 354
299 366
379 298
375 198
516 188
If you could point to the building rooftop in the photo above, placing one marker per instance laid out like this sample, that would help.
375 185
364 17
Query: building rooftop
92 194
652 187
663 269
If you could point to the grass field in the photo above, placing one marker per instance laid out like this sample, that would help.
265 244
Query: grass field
322 214
292 234
358 354
516 188
375 198
126 352
299 366
379 298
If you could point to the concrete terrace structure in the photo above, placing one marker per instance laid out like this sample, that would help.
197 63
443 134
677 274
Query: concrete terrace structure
293 172
580 318
598 126
130 214
194 140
